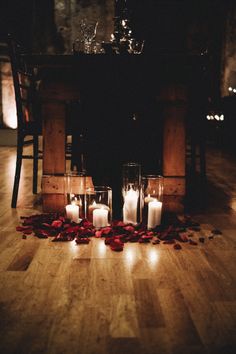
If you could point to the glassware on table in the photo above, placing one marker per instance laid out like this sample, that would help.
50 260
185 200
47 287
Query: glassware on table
78 46
88 31
136 46
99 205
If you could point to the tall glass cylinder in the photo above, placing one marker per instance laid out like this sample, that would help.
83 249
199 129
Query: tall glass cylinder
99 206
152 198
131 193
76 190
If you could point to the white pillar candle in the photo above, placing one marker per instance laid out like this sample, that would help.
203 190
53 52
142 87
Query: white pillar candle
130 207
154 214
72 212
100 217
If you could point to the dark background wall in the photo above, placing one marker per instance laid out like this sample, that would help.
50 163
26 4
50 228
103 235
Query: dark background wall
51 26
166 25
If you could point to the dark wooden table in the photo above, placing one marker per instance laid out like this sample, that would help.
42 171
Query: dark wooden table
121 81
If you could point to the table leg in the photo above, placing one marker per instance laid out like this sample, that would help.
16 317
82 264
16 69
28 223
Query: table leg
54 162
174 100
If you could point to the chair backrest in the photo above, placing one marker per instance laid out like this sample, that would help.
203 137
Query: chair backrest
25 85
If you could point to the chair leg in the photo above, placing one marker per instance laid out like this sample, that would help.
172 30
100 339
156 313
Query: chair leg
75 151
35 163
17 172
193 156
202 152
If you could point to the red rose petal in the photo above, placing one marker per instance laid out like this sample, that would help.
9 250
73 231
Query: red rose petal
24 228
129 228
119 223
116 245
106 230
194 243
83 240
98 233
108 240
177 246
183 237
169 242
56 223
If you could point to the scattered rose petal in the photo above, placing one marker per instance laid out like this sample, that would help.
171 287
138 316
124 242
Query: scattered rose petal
129 228
57 224
216 232
108 240
62 229
85 223
168 242
195 228
98 233
24 228
83 240
145 239
119 223
106 230
193 243
183 237
177 246
116 245
156 242
41 233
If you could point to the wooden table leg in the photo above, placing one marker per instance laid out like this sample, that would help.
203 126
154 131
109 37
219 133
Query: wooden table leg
54 162
174 100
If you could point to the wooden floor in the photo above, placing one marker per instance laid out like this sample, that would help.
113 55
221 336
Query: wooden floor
62 298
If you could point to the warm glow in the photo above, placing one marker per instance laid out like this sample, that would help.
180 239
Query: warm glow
8 98
215 117
233 204
102 248
130 255
232 89
153 256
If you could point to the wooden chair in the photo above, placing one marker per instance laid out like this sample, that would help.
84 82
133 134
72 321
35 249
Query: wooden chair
29 118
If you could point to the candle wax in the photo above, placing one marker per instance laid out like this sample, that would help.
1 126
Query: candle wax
154 214
72 212
130 207
100 217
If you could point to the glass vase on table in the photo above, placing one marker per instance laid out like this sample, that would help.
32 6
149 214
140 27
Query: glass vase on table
89 31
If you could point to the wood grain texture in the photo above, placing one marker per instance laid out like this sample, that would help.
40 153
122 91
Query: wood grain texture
54 137
86 299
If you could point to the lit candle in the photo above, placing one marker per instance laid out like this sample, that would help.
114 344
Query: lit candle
94 206
100 217
154 214
72 212
148 199
130 207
